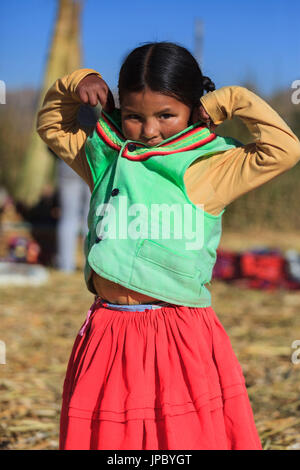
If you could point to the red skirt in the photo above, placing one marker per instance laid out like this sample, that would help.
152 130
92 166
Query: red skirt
155 380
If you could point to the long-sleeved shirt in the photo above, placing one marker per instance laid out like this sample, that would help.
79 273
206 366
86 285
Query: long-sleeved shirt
214 182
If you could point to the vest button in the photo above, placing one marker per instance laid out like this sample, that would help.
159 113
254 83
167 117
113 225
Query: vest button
115 192
131 147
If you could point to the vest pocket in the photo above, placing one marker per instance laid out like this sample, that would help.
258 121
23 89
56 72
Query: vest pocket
166 258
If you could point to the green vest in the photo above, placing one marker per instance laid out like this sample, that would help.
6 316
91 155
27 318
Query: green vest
144 231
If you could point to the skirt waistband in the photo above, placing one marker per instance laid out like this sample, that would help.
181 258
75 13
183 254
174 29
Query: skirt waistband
133 307
129 307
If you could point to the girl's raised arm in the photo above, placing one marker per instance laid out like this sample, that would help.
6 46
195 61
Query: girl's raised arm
57 122
274 150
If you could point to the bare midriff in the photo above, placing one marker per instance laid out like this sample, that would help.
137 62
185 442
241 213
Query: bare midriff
116 294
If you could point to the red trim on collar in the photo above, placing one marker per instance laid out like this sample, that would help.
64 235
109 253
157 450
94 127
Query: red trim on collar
187 134
151 153
113 127
106 139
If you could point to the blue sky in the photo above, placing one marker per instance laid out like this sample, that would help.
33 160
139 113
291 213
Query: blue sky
242 39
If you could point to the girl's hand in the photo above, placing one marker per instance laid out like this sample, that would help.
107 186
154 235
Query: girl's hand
199 114
92 89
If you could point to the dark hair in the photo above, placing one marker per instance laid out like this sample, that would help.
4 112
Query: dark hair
167 68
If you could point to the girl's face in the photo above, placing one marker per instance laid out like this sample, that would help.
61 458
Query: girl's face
151 117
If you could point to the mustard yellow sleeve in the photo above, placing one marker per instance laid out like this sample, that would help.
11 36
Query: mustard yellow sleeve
57 123
274 149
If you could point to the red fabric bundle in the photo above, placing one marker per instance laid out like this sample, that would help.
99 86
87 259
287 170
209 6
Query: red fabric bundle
267 265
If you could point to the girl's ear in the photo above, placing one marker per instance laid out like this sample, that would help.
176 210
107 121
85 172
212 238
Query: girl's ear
200 114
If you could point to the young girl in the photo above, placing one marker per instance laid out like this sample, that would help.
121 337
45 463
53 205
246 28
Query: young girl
152 366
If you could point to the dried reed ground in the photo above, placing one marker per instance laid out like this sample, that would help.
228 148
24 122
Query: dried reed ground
39 326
